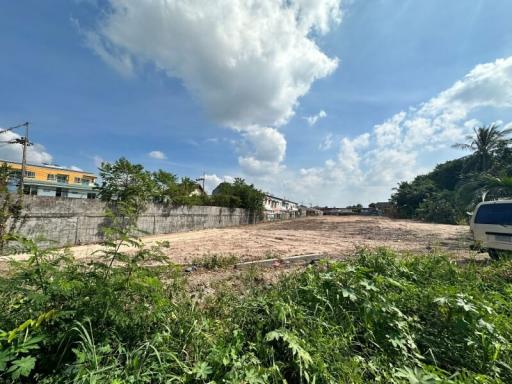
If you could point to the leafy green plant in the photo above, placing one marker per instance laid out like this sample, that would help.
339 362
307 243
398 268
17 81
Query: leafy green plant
18 345
378 318
215 261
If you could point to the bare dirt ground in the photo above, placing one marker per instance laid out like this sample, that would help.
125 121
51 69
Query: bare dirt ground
330 235
334 236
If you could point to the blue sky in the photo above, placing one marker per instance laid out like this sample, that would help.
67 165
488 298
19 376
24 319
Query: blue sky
229 92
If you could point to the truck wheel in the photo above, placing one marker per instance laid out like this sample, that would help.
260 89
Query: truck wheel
493 254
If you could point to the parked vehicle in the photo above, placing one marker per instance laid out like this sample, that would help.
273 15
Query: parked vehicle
491 225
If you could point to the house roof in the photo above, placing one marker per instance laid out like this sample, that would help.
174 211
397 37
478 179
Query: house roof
279 198
50 166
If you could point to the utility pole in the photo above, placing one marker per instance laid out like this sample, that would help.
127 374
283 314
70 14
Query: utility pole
202 179
23 141
24 159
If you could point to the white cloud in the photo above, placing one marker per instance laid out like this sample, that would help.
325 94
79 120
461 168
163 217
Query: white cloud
312 120
389 132
121 62
36 153
158 155
75 168
211 181
248 62
348 156
408 143
326 143
261 151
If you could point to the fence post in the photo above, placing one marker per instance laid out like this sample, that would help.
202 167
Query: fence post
76 229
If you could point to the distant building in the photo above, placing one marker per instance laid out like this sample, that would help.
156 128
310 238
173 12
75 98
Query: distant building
198 190
310 211
278 208
387 208
53 181
336 211
383 205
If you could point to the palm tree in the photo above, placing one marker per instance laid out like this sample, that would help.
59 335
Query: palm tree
481 187
497 185
485 142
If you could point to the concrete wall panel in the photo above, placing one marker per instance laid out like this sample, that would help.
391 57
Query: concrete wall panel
64 221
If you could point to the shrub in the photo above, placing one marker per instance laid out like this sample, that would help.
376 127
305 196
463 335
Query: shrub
378 318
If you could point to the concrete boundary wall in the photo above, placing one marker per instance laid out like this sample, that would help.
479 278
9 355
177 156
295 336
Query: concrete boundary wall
64 221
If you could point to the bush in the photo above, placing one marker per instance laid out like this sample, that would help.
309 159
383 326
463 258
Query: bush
379 318
440 208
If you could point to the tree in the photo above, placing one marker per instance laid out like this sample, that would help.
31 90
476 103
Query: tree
498 186
440 207
409 195
9 208
223 188
129 187
166 187
485 143
187 186
490 187
239 194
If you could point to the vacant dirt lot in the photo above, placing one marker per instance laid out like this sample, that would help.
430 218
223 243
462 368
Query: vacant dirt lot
330 235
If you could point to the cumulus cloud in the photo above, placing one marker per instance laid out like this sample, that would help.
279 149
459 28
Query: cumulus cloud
36 153
264 149
158 155
312 120
248 62
75 168
211 181
369 166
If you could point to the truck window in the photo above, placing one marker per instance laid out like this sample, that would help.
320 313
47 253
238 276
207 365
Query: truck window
500 214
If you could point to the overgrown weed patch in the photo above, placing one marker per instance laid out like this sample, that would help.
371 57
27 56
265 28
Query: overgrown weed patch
377 318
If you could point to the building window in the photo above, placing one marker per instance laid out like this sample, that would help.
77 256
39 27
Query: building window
30 174
78 180
50 177
62 179
91 195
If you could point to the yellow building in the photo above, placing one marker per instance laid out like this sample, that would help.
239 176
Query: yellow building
51 180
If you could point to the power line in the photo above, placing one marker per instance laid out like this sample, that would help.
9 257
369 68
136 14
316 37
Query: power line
20 140
11 128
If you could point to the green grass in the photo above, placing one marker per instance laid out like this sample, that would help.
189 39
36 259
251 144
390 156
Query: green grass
215 261
380 318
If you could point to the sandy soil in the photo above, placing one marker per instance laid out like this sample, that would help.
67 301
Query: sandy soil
333 236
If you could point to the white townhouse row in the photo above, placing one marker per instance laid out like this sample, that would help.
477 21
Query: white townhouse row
275 207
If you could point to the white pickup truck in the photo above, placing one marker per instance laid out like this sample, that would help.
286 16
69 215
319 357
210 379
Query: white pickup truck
491 225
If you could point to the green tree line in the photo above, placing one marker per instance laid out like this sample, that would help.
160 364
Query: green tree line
135 186
456 186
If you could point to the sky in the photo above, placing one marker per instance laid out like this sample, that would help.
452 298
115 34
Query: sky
324 102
